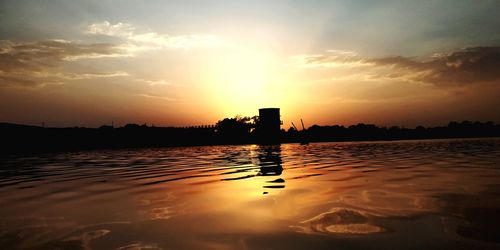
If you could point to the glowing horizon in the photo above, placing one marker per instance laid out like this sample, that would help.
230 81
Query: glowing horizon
187 63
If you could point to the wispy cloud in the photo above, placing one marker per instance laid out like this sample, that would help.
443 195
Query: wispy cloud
32 64
43 78
155 82
34 54
152 40
76 76
165 98
331 59
463 66
108 29
38 63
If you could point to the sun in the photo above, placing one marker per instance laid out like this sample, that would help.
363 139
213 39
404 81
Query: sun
243 81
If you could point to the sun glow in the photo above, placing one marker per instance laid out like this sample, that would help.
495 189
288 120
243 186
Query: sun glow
241 82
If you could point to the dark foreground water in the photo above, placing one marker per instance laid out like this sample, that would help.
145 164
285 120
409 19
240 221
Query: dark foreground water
435 194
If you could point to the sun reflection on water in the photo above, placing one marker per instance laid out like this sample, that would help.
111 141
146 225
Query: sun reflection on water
246 196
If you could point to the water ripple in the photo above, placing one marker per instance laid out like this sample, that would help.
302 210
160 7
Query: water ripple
353 188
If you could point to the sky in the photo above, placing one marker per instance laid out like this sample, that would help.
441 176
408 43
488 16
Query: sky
178 63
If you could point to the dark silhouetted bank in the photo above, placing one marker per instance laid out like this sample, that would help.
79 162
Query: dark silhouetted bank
239 130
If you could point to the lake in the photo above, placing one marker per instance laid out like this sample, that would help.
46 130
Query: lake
428 194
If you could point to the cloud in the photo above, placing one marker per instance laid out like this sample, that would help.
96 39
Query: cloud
155 82
41 79
41 54
155 40
463 66
105 28
331 59
152 40
75 76
34 64
38 63
154 96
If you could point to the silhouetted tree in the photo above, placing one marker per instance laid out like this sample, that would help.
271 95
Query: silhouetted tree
235 129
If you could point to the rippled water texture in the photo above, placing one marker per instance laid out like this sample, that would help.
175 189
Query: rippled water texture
368 195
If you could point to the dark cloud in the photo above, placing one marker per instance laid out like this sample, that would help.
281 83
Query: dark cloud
464 66
36 63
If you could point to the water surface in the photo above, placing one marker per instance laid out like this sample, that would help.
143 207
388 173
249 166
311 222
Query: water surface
357 195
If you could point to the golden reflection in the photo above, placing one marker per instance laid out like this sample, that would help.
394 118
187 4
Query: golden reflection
86 237
200 190
341 221
354 229
161 213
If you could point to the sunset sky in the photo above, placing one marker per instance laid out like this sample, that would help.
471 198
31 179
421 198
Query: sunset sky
176 63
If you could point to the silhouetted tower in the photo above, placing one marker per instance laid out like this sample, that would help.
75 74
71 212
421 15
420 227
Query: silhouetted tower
269 125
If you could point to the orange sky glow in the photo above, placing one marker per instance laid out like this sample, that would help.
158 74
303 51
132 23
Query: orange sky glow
193 63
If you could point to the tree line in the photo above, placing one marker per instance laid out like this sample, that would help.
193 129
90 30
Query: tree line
238 130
